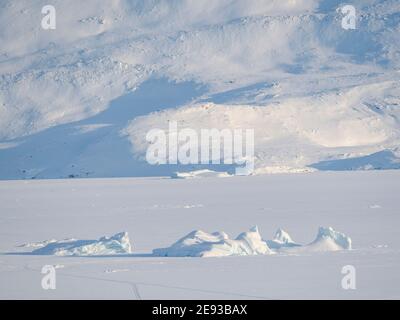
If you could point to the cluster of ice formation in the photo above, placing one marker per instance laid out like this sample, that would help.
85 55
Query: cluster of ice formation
200 244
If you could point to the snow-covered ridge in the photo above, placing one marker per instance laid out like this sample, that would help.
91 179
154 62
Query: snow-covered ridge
294 134
96 55
313 91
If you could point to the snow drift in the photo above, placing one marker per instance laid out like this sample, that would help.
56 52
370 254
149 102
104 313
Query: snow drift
116 244
202 244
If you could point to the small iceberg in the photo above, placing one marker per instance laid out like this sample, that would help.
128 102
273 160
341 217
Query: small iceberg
327 239
282 240
202 244
330 240
116 244
205 173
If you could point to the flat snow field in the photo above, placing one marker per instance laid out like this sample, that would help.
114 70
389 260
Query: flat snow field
156 212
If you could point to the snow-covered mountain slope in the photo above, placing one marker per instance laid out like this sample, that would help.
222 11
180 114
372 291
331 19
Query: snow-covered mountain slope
295 132
75 101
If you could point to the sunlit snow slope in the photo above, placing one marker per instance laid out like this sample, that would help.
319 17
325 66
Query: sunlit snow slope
77 101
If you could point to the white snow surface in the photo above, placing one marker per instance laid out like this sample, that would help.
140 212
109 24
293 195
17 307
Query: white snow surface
77 101
116 244
153 212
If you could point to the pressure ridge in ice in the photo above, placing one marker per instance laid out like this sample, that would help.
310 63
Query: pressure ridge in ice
202 244
116 244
